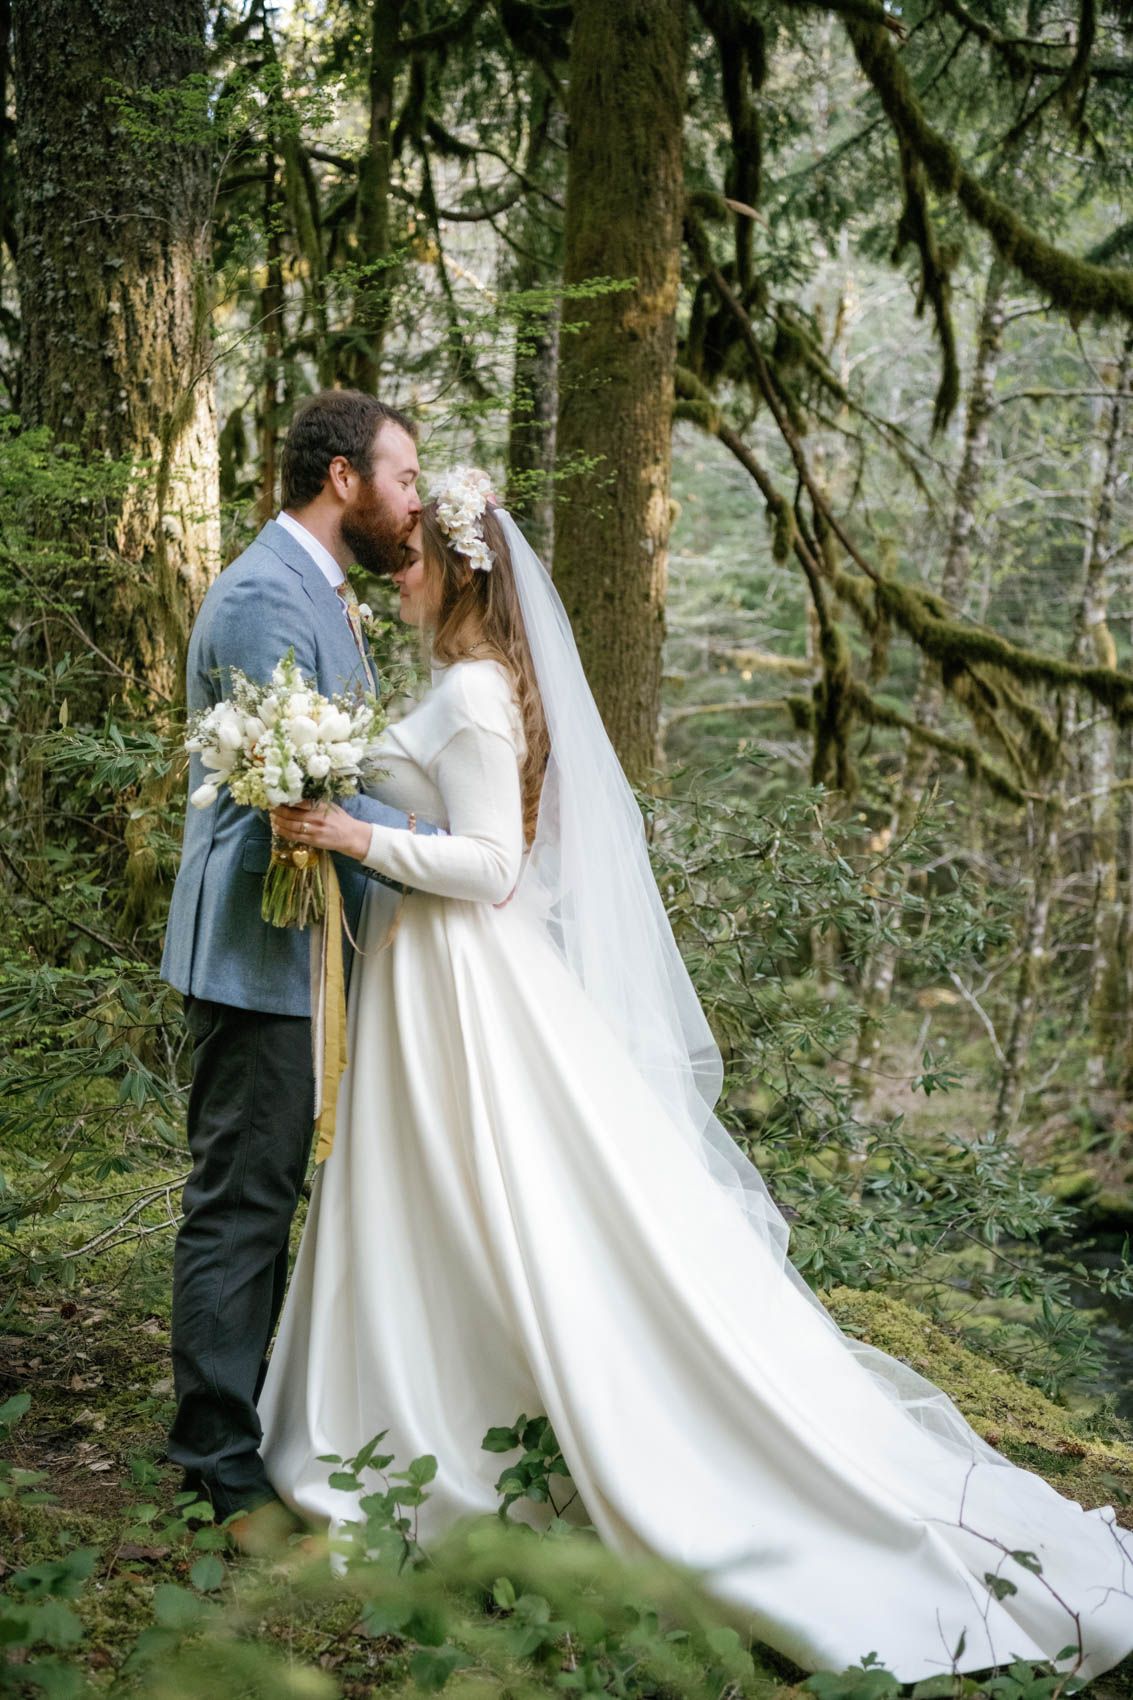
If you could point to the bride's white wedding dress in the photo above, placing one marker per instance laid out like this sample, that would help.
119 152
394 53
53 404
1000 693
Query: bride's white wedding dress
511 1222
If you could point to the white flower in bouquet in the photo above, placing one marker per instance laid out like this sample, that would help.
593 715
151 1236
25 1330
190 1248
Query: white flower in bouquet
336 725
285 743
301 729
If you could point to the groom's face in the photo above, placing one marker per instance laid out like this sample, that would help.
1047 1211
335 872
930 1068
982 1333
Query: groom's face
383 509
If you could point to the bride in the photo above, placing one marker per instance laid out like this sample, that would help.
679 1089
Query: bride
530 1206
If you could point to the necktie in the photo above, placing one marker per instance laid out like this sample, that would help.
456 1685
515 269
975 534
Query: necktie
354 620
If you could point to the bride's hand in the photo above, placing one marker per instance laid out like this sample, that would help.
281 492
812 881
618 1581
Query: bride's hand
322 826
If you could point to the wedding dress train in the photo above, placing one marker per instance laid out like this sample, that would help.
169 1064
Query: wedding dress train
511 1221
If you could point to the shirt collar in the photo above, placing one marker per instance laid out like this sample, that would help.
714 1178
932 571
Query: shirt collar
318 552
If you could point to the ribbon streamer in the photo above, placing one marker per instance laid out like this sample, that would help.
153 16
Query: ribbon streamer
328 1011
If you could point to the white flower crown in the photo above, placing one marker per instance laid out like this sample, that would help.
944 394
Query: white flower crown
461 497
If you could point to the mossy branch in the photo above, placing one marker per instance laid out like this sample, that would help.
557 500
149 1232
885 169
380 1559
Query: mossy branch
1075 285
867 708
916 226
975 762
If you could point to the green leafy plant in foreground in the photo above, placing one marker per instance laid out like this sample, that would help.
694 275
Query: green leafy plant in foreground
493 1607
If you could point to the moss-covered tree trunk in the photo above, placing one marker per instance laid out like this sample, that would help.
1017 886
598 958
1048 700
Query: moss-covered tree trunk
531 428
1109 1012
623 220
361 365
532 275
7 161
113 268
272 302
1045 831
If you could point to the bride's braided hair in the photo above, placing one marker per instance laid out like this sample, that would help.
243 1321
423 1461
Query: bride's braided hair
478 615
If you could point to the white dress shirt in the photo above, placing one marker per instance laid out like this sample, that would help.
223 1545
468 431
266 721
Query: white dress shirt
318 552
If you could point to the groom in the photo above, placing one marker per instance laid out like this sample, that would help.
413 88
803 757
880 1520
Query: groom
349 494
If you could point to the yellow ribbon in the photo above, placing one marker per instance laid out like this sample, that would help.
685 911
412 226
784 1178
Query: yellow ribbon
328 997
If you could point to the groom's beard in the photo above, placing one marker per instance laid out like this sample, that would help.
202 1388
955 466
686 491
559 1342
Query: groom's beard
373 537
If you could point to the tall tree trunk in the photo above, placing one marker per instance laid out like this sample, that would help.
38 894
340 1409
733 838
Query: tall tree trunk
114 269
272 301
371 307
537 267
531 424
114 303
1047 821
919 764
9 376
623 219
7 196
1109 1013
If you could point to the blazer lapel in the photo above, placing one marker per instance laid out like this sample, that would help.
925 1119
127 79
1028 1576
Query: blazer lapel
291 552
343 654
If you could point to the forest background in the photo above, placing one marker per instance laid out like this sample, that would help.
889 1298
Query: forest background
799 334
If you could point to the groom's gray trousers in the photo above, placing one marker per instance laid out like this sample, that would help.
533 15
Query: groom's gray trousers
247 999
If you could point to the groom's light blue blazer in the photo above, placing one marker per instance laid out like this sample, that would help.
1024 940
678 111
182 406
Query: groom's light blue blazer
217 946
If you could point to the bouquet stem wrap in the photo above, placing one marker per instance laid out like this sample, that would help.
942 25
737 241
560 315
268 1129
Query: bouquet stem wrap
294 886
328 1009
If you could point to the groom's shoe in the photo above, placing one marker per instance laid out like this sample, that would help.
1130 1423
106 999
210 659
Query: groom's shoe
264 1531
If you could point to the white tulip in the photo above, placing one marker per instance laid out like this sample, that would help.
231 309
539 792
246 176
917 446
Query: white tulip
298 703
344 756
301 729
254 730
229 732
220 760
204 796
335 726
269 710
318 764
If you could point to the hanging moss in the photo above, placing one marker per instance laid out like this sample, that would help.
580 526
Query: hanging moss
783 531
959 647
704 414
867 708
1044 750
801 711
916 226
833 712
880 635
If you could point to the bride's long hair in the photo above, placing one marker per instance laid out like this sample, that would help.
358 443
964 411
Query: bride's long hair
478 613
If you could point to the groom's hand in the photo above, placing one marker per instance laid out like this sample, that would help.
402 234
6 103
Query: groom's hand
322 826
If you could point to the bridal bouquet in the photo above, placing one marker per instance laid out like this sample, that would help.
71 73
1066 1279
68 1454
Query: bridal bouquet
284 742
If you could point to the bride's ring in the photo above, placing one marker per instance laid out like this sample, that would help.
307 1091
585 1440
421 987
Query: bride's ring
304 827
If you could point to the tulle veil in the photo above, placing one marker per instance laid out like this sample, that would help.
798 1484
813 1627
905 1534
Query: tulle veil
588 874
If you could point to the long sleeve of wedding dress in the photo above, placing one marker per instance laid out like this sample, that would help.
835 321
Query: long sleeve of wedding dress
477 774
469 741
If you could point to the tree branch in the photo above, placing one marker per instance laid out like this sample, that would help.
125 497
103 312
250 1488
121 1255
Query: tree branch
1076 286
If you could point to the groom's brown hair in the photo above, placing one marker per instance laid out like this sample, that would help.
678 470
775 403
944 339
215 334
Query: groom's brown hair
330 423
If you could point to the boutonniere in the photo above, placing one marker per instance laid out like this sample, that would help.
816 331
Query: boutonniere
374 628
